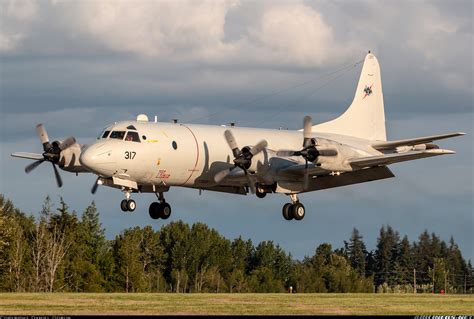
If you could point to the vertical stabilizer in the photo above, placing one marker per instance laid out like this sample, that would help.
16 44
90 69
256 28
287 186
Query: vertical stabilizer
365 117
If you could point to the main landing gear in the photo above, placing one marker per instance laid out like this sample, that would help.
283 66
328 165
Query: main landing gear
160 210
293 210
128 205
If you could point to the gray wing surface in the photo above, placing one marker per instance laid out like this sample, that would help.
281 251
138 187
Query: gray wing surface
412 141
387 159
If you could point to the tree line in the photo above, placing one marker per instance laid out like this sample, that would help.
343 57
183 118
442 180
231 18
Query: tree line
61 251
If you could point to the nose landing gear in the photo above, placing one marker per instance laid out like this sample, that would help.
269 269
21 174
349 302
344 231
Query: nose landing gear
293 210
160 210
128 205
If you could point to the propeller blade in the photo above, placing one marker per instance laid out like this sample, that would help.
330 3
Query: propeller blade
232 143
250 182
327 152
67 143
307 130
33 156
95 186
43 135
33 165
221 175
58 177
258 148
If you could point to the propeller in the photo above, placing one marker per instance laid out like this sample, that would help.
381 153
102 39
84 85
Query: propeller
96 185
52 152
242 158
309 151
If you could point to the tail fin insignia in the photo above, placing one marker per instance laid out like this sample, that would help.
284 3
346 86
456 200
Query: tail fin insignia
368 90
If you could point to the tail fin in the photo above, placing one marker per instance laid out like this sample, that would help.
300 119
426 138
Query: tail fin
365 117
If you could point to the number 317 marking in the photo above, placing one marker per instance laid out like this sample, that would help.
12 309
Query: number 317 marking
130 155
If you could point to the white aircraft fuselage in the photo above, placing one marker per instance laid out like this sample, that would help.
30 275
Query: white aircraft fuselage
189 155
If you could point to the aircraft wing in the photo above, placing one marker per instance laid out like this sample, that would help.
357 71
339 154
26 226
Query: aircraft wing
387 159
300 169
412 141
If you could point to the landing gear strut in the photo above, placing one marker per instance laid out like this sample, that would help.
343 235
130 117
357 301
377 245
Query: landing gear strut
294 209
128 205
161 209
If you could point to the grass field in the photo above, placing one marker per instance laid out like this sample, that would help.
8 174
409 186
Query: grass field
233 304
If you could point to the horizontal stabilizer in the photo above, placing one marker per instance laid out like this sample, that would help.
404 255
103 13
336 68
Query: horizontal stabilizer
32 156
387 159
412 141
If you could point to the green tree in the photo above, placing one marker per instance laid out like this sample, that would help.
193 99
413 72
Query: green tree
128 255
241 252
174 238
386 255
356 252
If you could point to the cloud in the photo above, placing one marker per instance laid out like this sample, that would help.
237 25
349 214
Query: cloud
154 29
295 34
15 19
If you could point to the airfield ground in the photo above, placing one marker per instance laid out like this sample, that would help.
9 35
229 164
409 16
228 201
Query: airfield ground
233 304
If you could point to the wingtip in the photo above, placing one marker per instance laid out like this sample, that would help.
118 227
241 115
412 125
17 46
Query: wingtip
440 151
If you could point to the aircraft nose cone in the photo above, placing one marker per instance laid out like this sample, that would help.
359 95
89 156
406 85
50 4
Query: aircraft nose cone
87 158
97 158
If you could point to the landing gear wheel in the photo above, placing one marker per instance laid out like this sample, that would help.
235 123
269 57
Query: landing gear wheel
165 210
131 205
287 214
124 205
154 210
298 211
260 194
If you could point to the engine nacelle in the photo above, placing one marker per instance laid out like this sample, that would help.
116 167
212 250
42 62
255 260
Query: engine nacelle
69 158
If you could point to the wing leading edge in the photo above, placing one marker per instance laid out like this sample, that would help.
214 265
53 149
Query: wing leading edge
387 159
412 141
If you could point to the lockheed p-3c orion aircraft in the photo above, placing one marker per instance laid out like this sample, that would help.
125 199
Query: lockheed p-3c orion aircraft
151 157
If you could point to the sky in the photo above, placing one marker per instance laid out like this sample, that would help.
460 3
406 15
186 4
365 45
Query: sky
78 66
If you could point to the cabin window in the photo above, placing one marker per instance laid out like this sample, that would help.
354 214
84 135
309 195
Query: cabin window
117 134
174 144
132 136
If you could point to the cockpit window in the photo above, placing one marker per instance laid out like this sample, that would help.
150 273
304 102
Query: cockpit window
131 127
132 136
103 133
117 134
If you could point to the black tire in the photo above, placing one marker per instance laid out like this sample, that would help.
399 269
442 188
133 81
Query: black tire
123 205
165 211
154 210
260 195
287 212
298 211
131 205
